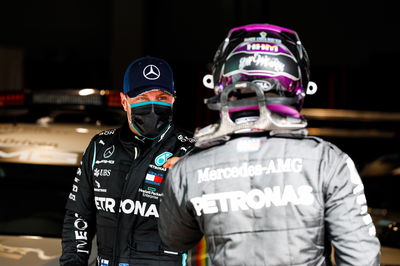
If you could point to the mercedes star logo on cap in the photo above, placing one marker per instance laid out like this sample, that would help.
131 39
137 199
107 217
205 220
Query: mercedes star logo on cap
151 72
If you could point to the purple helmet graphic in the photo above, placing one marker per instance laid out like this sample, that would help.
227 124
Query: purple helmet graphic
270 56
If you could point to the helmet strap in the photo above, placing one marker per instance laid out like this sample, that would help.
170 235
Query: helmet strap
267 121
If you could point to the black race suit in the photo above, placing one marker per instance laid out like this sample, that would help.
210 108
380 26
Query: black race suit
116 194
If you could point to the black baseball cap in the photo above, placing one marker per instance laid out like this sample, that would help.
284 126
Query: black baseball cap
146 74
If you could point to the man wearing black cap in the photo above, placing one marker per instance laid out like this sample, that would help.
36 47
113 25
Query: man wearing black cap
117 188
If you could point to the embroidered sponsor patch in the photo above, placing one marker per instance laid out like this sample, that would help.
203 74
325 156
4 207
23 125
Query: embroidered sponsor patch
160 168
248 145
150 194
153 178
109 151
162 158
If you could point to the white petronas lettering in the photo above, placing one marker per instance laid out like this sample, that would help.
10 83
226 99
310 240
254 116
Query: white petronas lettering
140 207
151 211
127 206
254 199
306 197
105 204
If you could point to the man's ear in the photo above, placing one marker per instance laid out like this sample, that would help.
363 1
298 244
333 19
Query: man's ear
124 103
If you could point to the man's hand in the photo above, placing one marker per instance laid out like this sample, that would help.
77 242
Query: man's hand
170 162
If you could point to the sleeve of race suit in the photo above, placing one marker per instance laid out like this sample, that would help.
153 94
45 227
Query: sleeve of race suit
177 225
79 227
349 226
77 237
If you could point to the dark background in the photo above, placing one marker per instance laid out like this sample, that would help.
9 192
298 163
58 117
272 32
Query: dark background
353 45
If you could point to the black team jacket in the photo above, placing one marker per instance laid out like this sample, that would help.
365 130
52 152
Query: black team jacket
115 195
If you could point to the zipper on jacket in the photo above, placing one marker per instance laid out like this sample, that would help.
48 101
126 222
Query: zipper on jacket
151 151
124 188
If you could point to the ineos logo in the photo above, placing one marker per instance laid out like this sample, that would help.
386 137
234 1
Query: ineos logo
109 152
151 72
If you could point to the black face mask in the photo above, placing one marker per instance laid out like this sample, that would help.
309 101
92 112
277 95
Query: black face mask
151 119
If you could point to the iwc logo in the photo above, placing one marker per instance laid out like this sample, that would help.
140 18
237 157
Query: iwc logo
263 34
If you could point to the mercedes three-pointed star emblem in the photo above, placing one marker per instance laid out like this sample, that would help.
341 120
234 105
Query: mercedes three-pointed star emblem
151 72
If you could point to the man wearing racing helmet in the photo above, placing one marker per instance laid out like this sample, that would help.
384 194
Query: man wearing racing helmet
257 187
117 188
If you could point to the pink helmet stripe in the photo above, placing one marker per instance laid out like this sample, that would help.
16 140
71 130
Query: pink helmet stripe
262 27
278 108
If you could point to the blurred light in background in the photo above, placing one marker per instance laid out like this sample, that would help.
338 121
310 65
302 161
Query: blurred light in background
87 91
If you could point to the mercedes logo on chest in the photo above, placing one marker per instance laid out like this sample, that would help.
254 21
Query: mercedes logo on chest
151 72
109 151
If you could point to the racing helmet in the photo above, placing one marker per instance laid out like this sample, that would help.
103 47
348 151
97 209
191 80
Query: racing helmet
270 56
